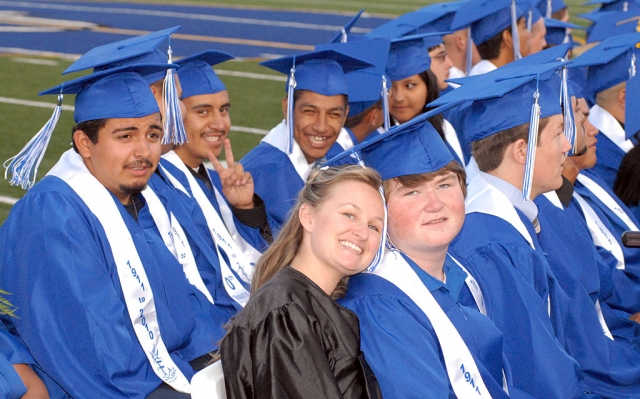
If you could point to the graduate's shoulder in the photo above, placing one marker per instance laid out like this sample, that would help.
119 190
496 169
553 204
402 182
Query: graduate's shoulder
263 154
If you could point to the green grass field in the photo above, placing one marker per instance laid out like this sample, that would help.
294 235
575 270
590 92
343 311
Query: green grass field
255 103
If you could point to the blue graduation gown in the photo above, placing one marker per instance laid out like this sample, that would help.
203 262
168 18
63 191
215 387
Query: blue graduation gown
628 282
516 282
609 159
188 213
611 367
57 262
250 234
276 180
401 345
12 351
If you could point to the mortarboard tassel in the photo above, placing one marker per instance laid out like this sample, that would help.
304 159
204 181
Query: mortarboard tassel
567 107
549 9
469 51
343 35
385 103
514 31
530 21
174 131
534 123
24 165
632 68
290 89
625 6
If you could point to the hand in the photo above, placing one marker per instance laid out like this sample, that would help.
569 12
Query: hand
570 170
237 185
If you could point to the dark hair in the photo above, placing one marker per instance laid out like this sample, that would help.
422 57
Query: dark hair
90 129
411 181
355 120
490 49
433 92
298 93
489 152
627 185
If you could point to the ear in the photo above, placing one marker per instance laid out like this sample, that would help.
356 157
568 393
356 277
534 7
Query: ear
622 97
517 151
507 40
346 113
284 107
374 117
306 215
83 144
461 41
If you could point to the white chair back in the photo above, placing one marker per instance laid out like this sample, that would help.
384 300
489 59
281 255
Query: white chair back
208 383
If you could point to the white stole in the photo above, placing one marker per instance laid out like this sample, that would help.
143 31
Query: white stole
473 286
176 240
600 234
220 236
278 137
610 127
607 199
131 273
452 138
462 369
552 196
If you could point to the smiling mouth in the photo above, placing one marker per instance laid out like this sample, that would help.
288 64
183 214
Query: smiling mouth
436 221
317 139
351 245
212 139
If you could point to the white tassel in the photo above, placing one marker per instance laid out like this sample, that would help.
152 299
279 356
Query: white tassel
569 122
530 21
469 52
174 131
549 8
24 165
383 239
343 35
385 104
632 68
290 90
514 32
534 123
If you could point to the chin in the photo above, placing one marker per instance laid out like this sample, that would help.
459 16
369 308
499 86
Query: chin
134 188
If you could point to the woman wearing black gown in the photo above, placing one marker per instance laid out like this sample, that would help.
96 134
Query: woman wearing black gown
292 340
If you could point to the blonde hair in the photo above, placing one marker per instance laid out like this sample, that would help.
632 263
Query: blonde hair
316 190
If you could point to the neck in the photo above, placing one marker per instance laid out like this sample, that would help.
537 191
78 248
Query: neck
307 263
362 132
505 57
188 159
616 111
431 261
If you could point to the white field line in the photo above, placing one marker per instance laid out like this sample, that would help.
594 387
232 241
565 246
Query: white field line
8 200
171 14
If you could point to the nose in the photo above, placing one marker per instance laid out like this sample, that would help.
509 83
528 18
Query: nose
447 62
566 146
361 231
592 131
142 148
320 124
432 201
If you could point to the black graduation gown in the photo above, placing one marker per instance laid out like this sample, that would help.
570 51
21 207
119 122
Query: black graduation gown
293 341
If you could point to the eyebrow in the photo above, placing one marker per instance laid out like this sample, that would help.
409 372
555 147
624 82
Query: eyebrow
310 105
125 129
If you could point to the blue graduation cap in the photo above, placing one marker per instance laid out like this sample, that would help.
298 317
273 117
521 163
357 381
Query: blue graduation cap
488 18
196 75
409 55
499 102
549 7
322 72
120 92
366 86
632 108
609 63
136 50
558 32
613 23
342 36
614 5
429 19
142 50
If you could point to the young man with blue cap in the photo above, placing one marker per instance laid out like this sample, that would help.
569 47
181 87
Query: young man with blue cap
315 109
610 64
499 31
498 242
410 307
368 88
601 340
122 320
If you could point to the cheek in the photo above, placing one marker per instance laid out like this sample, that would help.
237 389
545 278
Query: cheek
399 217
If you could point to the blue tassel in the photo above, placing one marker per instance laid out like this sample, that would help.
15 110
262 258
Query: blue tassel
385 103
174 131
569 121
549 9
530 21
24 165
514 32
290 89
534 124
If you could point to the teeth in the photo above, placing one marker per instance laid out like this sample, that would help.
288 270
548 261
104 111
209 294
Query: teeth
317 139
351 245
212 138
